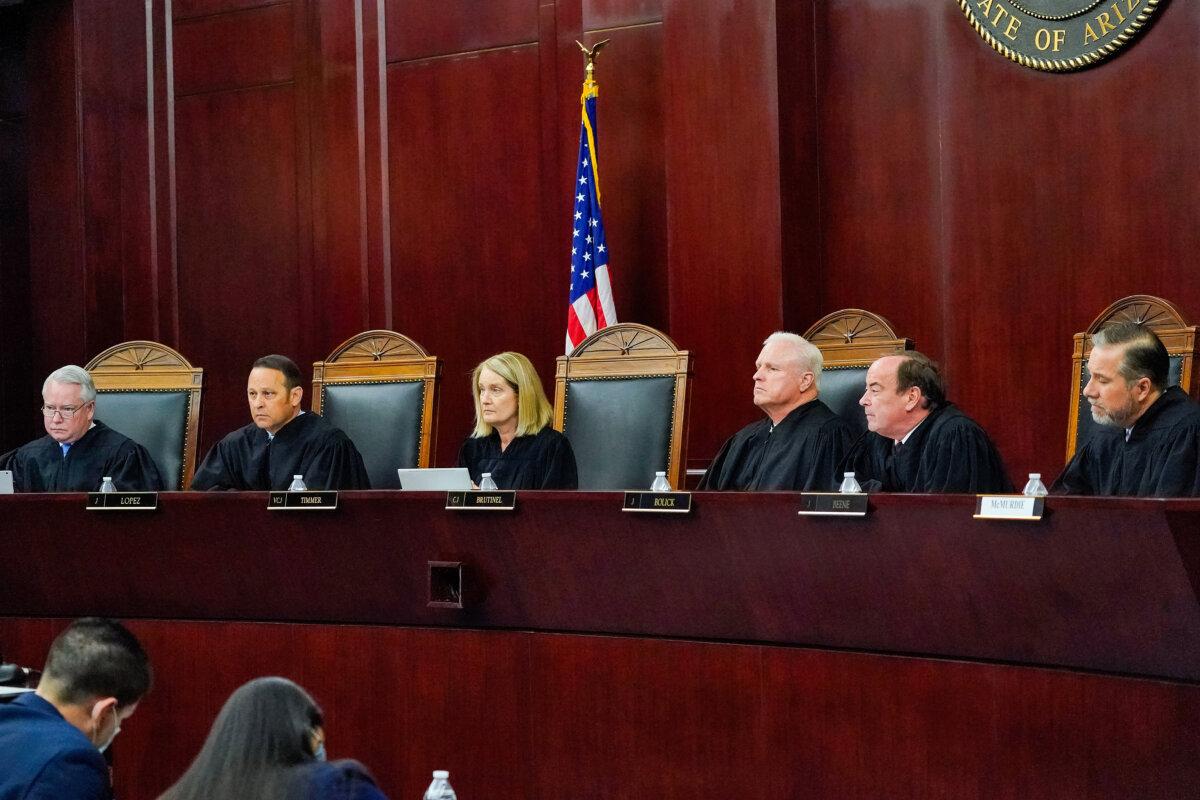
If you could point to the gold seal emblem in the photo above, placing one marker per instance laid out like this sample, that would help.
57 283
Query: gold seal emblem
1058 35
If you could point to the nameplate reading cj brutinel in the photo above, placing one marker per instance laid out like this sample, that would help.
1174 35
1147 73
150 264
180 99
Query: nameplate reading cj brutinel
658 502
122 501
481 501
1009 506
832 504
302 501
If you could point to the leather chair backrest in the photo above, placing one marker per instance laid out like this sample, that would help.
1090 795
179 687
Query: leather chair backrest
1086 426
841 388
157 420
384 422
620 430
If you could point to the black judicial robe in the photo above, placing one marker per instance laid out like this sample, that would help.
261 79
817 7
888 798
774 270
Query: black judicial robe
248 459
947 453
1161 458
542 461
101 452
801 453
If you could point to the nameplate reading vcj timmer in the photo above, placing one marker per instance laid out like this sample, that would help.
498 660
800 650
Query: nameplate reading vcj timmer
658 502
302 501
832 504
1009 506
481 501
122 501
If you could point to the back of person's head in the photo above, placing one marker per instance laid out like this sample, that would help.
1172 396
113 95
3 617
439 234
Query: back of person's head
265 728
1145 354
534 411
96 658
917 369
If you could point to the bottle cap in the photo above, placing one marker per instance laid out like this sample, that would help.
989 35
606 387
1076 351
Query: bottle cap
297 477
106 478
1035 476
847 474
487 475
660 474
441 774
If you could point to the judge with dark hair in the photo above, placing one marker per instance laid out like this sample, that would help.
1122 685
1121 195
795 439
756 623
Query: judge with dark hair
1148 443
916 440
268 743
78 450
798 445
282 441
52 740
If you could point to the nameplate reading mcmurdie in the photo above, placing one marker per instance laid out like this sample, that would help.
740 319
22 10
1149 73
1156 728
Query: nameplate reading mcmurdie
833 504
658 502
122 501
302 501
481 501
1009 506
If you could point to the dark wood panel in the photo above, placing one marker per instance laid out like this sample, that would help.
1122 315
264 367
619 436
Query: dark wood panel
234 51
1078 190
239 270
469 279
601 14
427 28
184 9
722 156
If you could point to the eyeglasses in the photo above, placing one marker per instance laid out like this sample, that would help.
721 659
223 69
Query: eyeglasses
66 412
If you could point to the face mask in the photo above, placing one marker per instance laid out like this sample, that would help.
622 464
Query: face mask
116 730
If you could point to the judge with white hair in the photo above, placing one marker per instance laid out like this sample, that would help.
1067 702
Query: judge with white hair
800 443
78 450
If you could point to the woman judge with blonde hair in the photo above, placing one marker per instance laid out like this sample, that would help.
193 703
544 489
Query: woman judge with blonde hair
513 439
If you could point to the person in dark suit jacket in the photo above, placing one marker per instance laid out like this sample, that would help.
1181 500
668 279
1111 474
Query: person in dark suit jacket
52 740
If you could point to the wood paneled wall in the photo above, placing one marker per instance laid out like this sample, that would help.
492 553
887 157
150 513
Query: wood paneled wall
237 177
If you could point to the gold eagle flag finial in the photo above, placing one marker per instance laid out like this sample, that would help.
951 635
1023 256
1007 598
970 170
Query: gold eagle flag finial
591 55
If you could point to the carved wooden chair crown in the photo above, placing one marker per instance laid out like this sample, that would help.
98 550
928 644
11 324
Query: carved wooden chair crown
146 384
373 386
1168 323
624 354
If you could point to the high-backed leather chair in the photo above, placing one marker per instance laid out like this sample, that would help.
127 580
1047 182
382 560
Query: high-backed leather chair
380 388
151 393
850 340
1167 322
621 398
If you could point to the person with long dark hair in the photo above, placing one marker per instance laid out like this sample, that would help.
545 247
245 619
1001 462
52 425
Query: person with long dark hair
268 743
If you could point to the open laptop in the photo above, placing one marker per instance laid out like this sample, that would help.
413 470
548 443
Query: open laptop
438 479
6 484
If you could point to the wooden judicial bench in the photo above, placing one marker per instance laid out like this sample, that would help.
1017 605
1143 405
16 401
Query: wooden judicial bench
740 650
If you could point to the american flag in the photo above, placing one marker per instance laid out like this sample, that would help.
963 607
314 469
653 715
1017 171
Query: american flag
591 304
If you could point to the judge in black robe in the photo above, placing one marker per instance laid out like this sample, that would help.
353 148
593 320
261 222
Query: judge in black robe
40 466
801 453
800 443
917 441
281 442
513 439
1148 442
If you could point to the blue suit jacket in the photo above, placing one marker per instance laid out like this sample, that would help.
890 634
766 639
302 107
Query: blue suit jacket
44 757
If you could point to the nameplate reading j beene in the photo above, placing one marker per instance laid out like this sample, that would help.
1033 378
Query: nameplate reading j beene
122 501
658 502
1009 506
481 501
302 501
832 504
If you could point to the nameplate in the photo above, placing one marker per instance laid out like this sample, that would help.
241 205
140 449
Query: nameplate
481 501
302 501
122 501
832 504
1009 506
658 502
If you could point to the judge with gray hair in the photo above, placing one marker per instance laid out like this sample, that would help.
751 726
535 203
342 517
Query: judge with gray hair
799 444
78 450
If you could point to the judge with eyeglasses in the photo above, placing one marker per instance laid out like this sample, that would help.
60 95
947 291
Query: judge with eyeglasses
78 451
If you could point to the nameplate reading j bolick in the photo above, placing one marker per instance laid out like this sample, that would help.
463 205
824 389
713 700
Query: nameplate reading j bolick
504 500
302 501
1009 506
658 502
122 501
1058 35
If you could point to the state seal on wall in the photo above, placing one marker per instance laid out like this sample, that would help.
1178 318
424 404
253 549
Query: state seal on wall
1059 35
